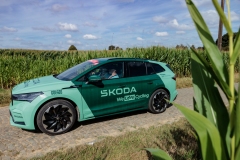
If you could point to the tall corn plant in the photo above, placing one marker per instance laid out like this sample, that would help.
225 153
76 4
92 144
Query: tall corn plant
217 126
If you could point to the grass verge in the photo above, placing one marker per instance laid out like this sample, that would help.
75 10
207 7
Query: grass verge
5 95
176 138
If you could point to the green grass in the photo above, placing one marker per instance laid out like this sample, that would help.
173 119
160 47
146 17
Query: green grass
177 139
5 95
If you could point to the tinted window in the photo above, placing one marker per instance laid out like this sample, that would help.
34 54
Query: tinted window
107 71
150 69
169 67
136 69
158 68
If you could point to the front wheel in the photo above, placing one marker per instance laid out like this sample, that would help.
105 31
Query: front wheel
157 101
56 117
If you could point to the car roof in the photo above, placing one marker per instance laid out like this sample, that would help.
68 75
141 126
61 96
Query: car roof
117 58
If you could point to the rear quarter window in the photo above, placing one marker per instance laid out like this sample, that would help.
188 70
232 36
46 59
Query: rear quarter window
169 67
157 68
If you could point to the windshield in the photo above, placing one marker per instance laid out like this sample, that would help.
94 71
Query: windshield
76 70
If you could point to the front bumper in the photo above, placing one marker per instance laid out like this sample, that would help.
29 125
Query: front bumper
22 113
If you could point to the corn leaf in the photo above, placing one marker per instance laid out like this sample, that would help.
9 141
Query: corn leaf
208 99
223 85
237 120
158 154
237 153
222 17
236 48
208 135
213 52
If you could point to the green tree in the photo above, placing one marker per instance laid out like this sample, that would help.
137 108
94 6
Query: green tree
112 47
72 48
225 40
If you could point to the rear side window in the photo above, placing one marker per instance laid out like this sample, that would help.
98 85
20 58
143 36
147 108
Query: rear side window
169 67
157 68
136 69
150 69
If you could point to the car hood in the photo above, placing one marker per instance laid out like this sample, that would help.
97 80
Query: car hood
41 84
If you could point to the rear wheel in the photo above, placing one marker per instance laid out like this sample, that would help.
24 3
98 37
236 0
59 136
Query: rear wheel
56 117
157 101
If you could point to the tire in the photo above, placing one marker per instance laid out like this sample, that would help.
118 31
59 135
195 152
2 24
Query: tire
157 102
56 117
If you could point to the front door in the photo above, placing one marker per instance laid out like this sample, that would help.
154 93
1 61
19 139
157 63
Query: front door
101 97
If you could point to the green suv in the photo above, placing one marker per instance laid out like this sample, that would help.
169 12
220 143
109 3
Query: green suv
94 88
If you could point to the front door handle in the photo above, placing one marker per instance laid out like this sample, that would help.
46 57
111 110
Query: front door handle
150 82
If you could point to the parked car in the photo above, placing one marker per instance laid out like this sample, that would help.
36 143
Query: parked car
95 88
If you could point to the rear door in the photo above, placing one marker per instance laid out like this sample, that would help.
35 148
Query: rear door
139 82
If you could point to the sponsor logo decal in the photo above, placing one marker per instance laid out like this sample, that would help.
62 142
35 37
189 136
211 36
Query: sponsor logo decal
118 91
35 81
132 97
54 92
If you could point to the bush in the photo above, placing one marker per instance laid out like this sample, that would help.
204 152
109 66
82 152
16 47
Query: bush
72 48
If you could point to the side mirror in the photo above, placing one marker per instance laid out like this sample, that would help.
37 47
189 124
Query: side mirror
94 79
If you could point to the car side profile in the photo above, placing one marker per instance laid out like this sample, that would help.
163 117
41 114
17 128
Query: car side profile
95 88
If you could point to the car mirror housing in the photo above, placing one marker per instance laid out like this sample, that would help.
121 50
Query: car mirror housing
94 78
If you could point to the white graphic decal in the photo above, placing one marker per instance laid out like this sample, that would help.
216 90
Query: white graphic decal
132 97
118 91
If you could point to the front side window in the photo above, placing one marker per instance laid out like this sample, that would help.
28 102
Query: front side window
136 69
111 70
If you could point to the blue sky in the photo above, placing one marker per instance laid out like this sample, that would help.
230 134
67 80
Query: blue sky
95 24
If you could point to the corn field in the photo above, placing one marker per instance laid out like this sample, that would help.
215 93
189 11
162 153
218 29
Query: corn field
20 65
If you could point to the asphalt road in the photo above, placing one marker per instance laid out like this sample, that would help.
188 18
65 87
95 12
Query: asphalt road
16 143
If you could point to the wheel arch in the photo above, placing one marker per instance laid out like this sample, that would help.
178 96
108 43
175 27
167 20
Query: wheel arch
57 98
164 89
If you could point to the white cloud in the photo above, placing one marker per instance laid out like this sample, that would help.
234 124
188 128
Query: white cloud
8 29
235 16
88 24
198 3
73 42
47 29
139 39
89 36
68 36
174 23
59 7
211 18
180 32
17 39
67 27
202 2
160 34
160 19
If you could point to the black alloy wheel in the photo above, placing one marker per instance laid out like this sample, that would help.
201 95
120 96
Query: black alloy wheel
158 101
56 117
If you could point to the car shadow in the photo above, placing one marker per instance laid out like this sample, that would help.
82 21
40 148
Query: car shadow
96 120
107 118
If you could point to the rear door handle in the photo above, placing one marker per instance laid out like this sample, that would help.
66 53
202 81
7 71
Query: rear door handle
150 82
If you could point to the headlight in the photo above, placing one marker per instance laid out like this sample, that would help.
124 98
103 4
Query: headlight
26 96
